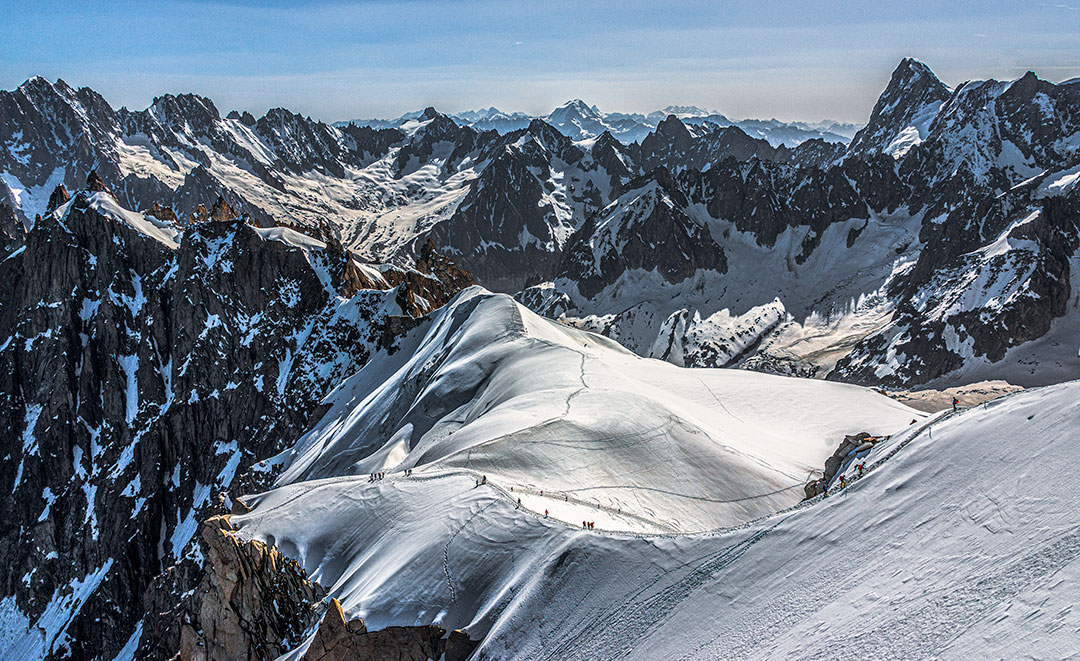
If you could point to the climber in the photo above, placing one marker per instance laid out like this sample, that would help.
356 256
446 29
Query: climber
545 514
519 503
955 404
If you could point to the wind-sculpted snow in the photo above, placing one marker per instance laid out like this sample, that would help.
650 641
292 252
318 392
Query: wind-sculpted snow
953 544
494 388
564 420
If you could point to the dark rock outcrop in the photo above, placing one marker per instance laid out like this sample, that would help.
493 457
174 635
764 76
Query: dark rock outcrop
58 197
836 461
339 640
252 602
646 229
912 91
120 379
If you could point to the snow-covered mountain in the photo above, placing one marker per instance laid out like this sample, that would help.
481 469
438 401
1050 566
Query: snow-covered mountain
580 121
210 350
951 259
377 188
864 241
499 432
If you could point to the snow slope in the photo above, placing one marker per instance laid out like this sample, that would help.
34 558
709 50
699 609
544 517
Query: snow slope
957 547
567 421
953 545
495 389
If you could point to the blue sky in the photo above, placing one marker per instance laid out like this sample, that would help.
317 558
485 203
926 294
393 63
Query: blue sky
333 60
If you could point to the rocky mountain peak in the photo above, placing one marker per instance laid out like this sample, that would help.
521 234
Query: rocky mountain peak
221 212
429 113
673 128
548 136
95 184
244 118
903 113
911 69
575 109
198 112
661 176
280 117
162 213
58 197
37 85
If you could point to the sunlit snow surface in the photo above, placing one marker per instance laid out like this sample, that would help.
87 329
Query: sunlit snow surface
958 543
637 446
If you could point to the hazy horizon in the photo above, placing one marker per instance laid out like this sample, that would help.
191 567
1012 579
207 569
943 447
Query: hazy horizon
336 61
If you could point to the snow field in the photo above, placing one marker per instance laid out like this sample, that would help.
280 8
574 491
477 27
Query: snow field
487 388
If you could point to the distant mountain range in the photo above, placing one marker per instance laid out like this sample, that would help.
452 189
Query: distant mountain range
196 305
580 121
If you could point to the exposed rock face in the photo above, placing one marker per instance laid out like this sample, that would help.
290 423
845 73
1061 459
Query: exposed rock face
96 185
120 374
677 146
221 212
504 231
341 640
51 127
58 197
162 213
645 229
833 464
77 312
198 185
440 130
817 153
432 284
12 234
936 330
913 96
252 603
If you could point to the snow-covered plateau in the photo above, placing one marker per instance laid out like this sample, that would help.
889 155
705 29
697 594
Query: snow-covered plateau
952 542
